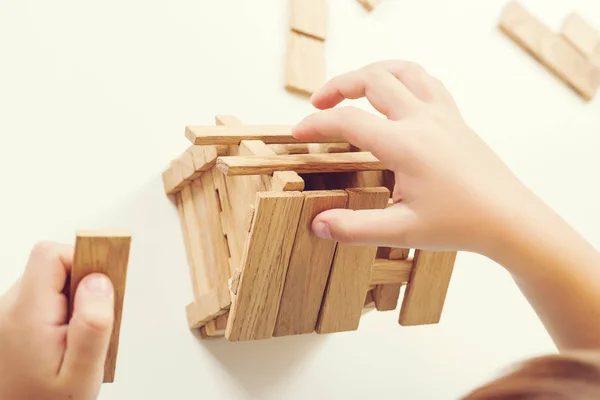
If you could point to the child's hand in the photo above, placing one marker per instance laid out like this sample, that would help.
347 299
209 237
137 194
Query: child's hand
41 357
451 193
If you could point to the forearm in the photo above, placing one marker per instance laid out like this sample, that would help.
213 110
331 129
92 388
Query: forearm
557 271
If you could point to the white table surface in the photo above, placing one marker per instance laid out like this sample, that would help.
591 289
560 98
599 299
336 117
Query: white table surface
94 97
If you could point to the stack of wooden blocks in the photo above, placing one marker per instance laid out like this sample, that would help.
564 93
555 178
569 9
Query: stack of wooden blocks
247 196
573 55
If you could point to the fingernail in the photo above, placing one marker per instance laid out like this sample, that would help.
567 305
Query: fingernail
322 230
98 284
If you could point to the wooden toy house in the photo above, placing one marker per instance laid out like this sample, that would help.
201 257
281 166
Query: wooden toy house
246 197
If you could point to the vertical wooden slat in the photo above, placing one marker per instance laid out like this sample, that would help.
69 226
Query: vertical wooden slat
351 271
309 267
426 290
105 252
309 17
264 266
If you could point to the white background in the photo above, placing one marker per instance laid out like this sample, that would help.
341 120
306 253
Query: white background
94 97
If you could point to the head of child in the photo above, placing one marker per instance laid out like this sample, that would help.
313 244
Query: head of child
573 376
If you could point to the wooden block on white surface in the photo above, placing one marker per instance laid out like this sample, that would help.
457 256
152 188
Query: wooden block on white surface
584 37
309 17
369 5
550 49
305 64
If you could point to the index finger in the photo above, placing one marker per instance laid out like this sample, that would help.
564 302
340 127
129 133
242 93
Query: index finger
47 268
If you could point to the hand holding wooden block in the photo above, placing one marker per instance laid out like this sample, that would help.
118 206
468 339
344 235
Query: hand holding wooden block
105 252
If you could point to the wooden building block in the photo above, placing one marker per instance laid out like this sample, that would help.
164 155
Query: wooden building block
426 291
264 266
234 134
552 50
173 179
104 252
216 327
300 163
386 296
282 180
369 5
208 306
581 34
308 269
305 69
584 37
386 272
350 274
306 148
309 17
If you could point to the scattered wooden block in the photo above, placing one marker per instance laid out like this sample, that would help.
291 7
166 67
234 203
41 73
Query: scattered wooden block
300 163
426 290
305 69
308 269
584 37
264 264
105 252
350 272
369 5
306 148
309 17
233 135
550 49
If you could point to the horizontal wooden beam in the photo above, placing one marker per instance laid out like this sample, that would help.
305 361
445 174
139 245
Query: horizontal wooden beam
232 135
391 271
300 163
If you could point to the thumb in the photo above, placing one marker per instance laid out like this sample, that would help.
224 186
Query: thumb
89 331
388 227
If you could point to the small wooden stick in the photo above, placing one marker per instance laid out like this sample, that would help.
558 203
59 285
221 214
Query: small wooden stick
300 163
233 135
105 252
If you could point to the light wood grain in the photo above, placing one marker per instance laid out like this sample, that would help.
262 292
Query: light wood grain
369 5
105 252
233 135
309 17
386 296
281 180
388 272
426 290
350 271
264 266
300 163
305 69
208 306
584 37
550 49
306 148
308 269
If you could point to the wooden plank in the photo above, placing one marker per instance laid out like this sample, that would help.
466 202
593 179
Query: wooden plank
305 69
581 34
550 49
426 290
264 265
306 148
351 271
386 296
309 17
208 306
309 267
173 179
300 163
233 135
216 327
584 37
105 252
369 5
387 272
190 250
